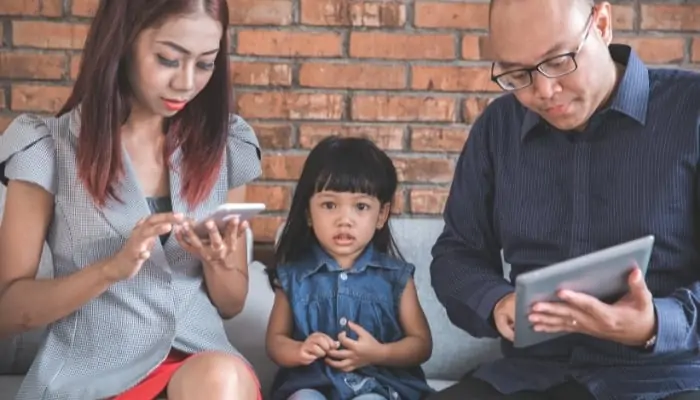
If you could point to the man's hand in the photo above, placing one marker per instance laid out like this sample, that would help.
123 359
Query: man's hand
630 321
504 316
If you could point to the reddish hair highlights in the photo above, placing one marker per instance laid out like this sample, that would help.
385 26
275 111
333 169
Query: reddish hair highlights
103 92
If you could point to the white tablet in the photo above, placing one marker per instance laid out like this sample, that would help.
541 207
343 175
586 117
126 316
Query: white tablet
603 274
224 213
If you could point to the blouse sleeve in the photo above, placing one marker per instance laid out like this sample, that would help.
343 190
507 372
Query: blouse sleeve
242 153
27 153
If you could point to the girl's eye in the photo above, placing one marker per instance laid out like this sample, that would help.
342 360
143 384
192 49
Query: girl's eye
167 62
327 205
363 206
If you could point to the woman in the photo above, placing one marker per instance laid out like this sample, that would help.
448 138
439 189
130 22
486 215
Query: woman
143 145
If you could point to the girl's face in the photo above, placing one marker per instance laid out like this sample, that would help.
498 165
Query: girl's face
344 223
173 62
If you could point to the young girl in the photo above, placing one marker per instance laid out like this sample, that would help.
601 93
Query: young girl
346 321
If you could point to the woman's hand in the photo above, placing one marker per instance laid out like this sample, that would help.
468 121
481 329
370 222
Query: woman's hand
129 260
214 249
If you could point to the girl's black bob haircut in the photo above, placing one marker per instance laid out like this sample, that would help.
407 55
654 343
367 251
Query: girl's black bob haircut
339 164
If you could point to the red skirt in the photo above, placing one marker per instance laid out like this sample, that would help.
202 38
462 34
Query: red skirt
156 383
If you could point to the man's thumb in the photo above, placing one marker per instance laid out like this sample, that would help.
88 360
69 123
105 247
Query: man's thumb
636 282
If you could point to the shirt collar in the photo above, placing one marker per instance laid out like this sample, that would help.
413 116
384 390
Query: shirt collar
631 97
319 259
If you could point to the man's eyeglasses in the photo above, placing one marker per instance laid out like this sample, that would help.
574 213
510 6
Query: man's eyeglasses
553 67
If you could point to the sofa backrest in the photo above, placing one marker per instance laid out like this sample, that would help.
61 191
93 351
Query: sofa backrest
454 351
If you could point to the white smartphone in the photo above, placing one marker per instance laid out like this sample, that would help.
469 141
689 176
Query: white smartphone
226 212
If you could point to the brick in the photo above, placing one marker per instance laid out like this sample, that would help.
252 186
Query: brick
403 108
53 35
52 8
260 12
387 137
623 17
30 65
656 50
424 169
695 50
283 166
428 201
2 36
276 198
353 76
474 47
670 17
376 44
3 101
265 227
84 8
431 14
288 44
74 67
5 120
453 79
38 97
273 136
473 107
442 139
398 205
20 7
320 106
353 13
261 73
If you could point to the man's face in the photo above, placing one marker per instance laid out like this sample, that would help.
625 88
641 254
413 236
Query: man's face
525 33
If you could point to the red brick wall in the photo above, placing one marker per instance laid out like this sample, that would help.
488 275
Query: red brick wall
409 74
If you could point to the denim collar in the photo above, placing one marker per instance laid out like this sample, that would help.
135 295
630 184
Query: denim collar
319 259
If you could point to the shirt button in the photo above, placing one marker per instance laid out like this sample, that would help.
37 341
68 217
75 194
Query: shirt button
343 321
344 276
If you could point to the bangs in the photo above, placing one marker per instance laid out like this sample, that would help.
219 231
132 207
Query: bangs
354 172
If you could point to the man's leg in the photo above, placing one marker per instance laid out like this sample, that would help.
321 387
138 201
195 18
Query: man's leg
692 395
476 389
571 391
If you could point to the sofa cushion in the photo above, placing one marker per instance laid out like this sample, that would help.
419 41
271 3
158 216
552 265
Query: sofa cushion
454 351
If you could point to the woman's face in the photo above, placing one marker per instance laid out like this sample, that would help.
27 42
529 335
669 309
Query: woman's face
173 62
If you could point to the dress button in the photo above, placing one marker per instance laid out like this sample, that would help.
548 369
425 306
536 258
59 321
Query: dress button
344 276
343 321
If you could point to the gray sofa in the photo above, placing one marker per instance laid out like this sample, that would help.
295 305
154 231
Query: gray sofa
454 354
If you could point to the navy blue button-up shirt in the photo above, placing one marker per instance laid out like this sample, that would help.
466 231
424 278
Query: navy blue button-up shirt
544 196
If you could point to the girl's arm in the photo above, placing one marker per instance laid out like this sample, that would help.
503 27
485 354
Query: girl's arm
26 302
281 348
417 345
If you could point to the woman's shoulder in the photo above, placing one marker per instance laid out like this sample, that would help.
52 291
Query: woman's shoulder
243 153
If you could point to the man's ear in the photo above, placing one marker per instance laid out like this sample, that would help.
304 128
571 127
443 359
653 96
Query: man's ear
603 22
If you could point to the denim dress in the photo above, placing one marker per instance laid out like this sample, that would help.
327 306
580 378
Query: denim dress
323 298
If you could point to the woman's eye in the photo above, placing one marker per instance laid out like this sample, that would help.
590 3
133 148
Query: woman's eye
206 66
167 62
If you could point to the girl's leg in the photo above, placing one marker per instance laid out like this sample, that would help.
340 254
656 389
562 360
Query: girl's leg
307 394
369 396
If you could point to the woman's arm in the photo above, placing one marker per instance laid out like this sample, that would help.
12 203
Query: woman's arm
228 287
25 302
417 345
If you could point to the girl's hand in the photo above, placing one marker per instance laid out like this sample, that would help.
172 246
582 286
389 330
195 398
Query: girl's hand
214 249
366 350
129 260
316 346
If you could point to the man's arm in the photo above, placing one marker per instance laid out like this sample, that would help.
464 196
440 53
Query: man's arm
466 271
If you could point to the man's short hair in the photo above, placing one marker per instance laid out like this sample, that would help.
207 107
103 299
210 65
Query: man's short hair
581 3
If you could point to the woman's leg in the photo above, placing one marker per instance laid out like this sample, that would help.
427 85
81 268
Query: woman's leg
214 376
307 394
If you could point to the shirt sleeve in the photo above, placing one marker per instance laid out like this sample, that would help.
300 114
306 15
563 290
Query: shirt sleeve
28 153
243 153
466 270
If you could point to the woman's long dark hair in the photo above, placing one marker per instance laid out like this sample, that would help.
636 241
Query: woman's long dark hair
103 93
337 164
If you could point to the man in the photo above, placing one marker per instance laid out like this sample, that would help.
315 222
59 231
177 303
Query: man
589 149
